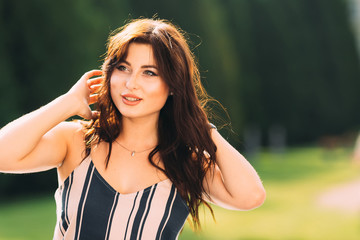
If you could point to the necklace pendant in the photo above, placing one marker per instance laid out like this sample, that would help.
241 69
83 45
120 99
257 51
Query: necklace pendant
133 153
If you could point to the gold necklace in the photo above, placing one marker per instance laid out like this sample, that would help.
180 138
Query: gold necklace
133 151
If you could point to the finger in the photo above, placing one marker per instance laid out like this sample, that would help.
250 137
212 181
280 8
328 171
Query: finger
93 98
95 114
95 86
93 81
92 73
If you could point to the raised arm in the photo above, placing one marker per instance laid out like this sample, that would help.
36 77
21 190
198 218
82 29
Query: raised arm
37 141
235 183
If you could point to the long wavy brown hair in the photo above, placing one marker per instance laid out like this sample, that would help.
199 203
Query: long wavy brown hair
185 145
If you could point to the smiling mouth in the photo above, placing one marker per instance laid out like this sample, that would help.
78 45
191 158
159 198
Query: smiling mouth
131 99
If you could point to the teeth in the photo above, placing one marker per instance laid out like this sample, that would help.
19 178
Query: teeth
131 99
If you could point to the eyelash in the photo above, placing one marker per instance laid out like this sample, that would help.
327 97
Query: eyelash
150 73
121 68
146 72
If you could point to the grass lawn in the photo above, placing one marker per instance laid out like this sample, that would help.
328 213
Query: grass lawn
293 180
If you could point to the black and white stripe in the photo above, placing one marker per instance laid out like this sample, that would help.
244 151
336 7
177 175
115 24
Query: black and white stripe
128 221
82 202
100 212
108 229
65 202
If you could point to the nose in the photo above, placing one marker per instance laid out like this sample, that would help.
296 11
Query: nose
131 82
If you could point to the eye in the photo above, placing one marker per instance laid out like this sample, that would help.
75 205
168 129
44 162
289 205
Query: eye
122 68
150 73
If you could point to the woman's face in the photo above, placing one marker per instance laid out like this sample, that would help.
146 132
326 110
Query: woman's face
135 85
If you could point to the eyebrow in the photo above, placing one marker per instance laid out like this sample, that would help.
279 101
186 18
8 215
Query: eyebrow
143 66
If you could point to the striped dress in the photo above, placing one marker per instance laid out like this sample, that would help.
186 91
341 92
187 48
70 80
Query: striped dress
89 208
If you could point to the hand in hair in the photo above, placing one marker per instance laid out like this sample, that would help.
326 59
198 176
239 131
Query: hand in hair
84 93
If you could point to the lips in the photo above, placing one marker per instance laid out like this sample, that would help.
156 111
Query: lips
131 99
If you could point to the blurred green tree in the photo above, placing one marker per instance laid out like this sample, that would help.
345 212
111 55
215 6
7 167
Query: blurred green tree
299 64
289 63
45 47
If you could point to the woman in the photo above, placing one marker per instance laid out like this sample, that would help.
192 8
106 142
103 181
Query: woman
147 159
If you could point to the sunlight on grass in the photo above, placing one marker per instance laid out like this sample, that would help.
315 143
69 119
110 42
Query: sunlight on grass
25 219
293 180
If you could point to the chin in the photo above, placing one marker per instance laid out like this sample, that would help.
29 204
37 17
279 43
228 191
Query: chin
139 114
128 114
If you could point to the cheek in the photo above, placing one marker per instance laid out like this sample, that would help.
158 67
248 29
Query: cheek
114 85
163 97
160 92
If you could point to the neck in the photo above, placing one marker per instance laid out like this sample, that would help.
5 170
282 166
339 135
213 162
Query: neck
139 134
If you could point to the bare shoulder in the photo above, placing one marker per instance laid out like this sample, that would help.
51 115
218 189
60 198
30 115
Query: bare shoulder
73 133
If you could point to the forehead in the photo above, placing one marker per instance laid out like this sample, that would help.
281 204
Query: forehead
140 54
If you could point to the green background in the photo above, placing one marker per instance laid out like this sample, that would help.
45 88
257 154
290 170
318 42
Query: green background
291 65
